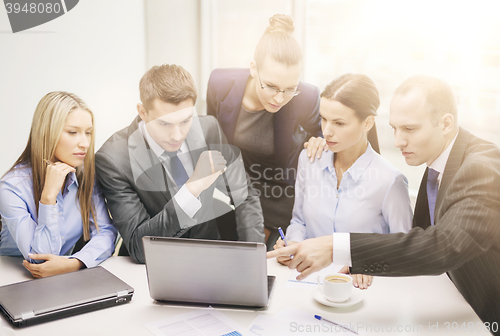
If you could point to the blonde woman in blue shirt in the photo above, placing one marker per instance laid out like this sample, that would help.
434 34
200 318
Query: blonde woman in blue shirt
49 197
351 188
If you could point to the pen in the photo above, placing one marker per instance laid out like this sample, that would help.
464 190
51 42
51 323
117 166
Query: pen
340 325
283 238
282 235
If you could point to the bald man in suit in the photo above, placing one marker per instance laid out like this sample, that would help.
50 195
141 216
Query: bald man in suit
456 227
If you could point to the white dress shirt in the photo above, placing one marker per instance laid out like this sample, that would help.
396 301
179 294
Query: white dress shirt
440 163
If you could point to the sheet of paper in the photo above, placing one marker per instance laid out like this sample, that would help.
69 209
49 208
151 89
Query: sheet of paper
311 280
290 321
305 318
267 325
201 322
296 315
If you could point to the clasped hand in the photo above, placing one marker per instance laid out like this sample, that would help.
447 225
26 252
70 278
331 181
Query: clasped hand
210 166
54 180
53 265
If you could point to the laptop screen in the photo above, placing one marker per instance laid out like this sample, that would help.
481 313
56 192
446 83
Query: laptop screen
206 271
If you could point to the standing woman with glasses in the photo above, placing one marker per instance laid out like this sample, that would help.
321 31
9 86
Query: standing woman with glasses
268 113
50 197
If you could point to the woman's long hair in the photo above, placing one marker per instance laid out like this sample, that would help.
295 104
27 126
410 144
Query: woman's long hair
359 93
46 129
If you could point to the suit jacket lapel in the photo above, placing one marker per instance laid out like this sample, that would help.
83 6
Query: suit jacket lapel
144 162
231 107
195 141
452 165
422 216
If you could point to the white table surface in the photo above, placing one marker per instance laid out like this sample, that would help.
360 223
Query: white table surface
406 302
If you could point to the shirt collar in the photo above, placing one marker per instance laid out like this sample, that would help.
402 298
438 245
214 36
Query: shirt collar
71 179
153 145
360 165
440 163
356 170
326 160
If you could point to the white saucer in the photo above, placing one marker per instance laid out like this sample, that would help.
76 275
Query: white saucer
356 297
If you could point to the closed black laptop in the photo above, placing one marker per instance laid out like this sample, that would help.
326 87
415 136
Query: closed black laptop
40 300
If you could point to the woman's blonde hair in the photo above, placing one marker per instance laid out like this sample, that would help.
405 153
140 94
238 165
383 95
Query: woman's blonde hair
278 42
46 129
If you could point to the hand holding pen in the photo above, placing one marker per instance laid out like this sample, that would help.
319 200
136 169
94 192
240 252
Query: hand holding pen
282 235
282 242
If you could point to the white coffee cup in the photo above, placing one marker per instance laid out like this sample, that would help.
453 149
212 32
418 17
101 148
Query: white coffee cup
336 287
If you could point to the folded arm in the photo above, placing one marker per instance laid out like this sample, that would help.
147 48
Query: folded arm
31 237
102 239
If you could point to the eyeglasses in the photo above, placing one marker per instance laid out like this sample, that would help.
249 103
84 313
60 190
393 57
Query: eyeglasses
274 91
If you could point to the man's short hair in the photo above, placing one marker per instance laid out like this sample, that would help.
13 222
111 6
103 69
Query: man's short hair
439 96
168 82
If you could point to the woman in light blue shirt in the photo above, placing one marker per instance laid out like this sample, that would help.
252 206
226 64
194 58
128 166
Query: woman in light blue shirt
351 188
50 196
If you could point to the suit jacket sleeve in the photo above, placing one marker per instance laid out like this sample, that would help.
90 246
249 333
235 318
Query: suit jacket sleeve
468 228
211 102
130 216
310 119
248 211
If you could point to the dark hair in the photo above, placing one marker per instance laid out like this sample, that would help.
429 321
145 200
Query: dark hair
168 82
359 93
438 94
278 42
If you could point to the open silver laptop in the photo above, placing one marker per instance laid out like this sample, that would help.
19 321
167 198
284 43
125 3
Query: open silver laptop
207 271
40 300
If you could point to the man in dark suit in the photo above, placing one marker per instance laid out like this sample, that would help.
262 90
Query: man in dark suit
159 174
457 215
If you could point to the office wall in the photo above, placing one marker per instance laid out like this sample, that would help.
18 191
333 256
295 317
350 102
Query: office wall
172 30
97 50
173 36
202 35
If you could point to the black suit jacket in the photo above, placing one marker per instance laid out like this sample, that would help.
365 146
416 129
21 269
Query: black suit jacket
465 240
139 192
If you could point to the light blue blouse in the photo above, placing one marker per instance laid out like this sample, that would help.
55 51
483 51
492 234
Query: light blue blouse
54 229
372 197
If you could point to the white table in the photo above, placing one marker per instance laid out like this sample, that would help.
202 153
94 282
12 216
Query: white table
389 303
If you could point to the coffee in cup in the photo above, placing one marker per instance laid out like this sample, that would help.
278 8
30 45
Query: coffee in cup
336 279
337 287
